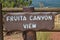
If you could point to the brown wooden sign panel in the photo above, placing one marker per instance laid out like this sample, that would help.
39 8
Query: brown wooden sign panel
29 21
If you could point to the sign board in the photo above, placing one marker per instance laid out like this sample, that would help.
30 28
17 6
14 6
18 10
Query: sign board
29 21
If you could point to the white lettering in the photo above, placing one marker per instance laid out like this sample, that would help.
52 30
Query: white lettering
24 18
7 18
16 18
45 17
29 26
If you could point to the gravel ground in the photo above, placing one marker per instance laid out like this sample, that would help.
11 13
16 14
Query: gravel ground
14 36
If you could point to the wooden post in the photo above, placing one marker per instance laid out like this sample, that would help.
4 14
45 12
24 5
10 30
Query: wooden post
1 25
35 9
29 34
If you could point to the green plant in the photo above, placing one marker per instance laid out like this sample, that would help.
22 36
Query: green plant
15 3
27 3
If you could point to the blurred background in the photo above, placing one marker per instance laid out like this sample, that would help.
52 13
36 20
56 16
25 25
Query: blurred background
37 4
34 3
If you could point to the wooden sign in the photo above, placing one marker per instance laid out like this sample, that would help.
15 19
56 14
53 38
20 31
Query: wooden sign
29 21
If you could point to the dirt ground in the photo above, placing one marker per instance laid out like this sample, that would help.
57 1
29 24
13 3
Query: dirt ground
55 36
18 36
14 36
